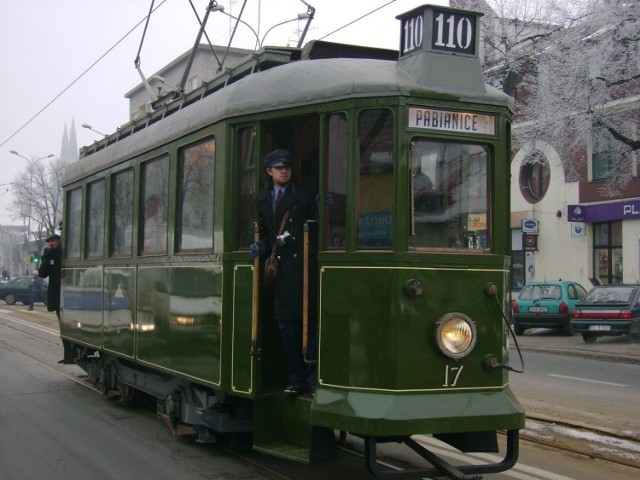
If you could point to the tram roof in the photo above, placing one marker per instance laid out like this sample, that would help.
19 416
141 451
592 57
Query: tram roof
299 83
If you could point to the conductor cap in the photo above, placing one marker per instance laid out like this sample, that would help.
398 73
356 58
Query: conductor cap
278 158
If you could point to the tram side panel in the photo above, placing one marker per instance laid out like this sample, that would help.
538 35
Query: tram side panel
184 304
81 302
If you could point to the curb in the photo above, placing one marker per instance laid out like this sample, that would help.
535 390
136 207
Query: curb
604 356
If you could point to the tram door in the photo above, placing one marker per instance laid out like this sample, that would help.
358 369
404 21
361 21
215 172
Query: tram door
299 135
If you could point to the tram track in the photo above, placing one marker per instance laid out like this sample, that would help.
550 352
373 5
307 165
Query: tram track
578 439
592 442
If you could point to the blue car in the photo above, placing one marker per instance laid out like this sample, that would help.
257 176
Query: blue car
547 304
608 310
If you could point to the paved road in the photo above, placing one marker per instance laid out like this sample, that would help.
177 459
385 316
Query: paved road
624 349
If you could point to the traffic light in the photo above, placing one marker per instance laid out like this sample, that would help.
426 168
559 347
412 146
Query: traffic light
35 258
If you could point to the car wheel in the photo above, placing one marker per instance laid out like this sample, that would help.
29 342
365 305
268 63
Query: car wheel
519 329
589 338
10 299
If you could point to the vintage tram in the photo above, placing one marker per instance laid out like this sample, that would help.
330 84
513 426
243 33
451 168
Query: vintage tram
407 270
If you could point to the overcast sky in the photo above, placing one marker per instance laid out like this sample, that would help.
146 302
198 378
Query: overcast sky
47 45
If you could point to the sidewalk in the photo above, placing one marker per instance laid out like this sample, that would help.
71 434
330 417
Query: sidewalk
623 349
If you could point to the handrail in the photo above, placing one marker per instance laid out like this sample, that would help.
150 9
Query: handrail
305 295
255 349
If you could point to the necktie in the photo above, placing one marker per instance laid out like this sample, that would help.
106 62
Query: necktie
279 196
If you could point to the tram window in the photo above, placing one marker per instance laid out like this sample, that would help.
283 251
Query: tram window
335 184
155 195
375 180
74 223
450 199
246 187
122 213
195 223
95 219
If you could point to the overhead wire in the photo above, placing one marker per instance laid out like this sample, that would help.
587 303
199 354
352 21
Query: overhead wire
79 77
144 19
358 19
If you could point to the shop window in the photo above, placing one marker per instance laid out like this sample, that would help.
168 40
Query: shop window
534 176
607 253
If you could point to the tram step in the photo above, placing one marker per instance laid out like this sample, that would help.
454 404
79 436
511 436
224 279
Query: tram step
282 429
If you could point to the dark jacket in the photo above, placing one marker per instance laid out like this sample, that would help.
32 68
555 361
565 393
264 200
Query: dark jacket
51 267
301 203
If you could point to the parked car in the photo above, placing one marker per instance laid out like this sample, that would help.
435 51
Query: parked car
547 305
608 310
18 289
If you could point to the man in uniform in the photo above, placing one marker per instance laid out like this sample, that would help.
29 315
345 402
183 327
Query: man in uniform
284 197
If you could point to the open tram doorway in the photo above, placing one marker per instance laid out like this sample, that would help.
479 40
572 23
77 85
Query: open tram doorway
300 135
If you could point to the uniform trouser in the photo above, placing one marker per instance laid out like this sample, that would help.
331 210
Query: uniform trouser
298 370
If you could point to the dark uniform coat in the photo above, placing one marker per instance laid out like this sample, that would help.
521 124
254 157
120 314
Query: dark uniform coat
301 203
51 267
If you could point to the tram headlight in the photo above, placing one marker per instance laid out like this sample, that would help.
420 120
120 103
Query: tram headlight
456 335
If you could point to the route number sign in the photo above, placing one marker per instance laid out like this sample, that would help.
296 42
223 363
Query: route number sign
440 30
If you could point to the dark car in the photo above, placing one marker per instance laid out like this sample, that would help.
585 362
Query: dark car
547 304
608 310
18 289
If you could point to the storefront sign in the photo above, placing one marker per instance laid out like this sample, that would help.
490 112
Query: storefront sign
530 226
604 212
577 229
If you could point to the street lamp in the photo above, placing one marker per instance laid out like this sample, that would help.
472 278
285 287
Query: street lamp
28 160
89 127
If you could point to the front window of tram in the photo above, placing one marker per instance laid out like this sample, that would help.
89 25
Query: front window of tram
450 196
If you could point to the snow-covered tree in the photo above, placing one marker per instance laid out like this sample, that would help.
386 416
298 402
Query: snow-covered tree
573 67
37 195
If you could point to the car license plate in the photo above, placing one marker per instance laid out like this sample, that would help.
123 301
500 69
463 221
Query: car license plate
600 328
538 309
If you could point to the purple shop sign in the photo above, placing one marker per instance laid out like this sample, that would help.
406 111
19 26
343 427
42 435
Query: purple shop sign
604 212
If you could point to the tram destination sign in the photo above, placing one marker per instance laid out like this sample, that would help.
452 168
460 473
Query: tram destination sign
449 121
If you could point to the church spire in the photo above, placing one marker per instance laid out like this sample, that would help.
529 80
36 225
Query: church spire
65 143
72 145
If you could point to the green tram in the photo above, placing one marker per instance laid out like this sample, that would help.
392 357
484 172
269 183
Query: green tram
407 271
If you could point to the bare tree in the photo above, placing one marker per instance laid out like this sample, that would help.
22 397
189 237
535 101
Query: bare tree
37 196
573 67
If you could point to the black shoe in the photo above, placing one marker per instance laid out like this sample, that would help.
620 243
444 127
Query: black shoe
295 389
